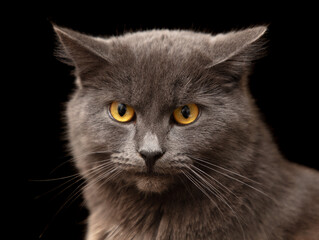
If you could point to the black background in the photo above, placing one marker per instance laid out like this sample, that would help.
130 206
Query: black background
284 84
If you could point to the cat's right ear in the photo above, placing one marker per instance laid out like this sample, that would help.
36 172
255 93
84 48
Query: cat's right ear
87 54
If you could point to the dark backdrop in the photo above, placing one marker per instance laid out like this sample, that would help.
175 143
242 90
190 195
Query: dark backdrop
283 84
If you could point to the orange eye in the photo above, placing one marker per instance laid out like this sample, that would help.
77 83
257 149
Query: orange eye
186 114
121 112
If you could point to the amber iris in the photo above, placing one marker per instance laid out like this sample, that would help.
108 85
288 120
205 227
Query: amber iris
186 114
121 112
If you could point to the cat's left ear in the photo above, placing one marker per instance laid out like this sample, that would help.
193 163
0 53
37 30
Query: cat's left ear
242 46
232 55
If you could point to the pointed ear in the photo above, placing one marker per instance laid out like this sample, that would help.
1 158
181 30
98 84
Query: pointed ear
87 54
232 56
244 46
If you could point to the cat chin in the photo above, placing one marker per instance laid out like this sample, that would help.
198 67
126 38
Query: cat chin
152 184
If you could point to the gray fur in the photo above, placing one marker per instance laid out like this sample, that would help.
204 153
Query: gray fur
244 190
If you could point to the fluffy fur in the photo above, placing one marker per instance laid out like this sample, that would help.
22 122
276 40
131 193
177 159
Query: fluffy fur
221 177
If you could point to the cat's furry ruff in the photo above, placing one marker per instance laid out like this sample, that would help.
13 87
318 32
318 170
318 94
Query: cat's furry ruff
221 177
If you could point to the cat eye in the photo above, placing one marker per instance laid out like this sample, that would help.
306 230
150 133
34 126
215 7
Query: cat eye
186 114
121 112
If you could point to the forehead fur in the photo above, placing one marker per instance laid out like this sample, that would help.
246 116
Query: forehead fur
164 47
160 63
177 42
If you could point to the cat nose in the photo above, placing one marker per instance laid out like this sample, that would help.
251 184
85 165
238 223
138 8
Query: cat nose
150 157
150 150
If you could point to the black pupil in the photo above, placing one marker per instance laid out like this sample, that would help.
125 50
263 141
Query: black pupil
185 111
121 109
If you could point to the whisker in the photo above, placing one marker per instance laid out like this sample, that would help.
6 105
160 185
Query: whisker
103 176
76 193
60 165
209 187
85 184
186 187
215 180
77 176
96 152
219 195
198 185
66 177
103 167
80 156
237 180
55 179
222 185
102 180
191 179
58 211
227 170
59 186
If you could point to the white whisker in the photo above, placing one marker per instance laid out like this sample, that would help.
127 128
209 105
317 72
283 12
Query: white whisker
198 185
215 180
219 195
77 157
237 180
226 170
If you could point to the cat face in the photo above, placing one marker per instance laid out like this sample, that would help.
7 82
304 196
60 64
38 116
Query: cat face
148 105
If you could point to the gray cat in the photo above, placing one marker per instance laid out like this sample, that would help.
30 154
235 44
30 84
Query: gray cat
165 133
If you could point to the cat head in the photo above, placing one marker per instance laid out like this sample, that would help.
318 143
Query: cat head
149 105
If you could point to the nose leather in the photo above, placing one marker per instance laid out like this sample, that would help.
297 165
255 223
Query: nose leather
150 158
150 150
